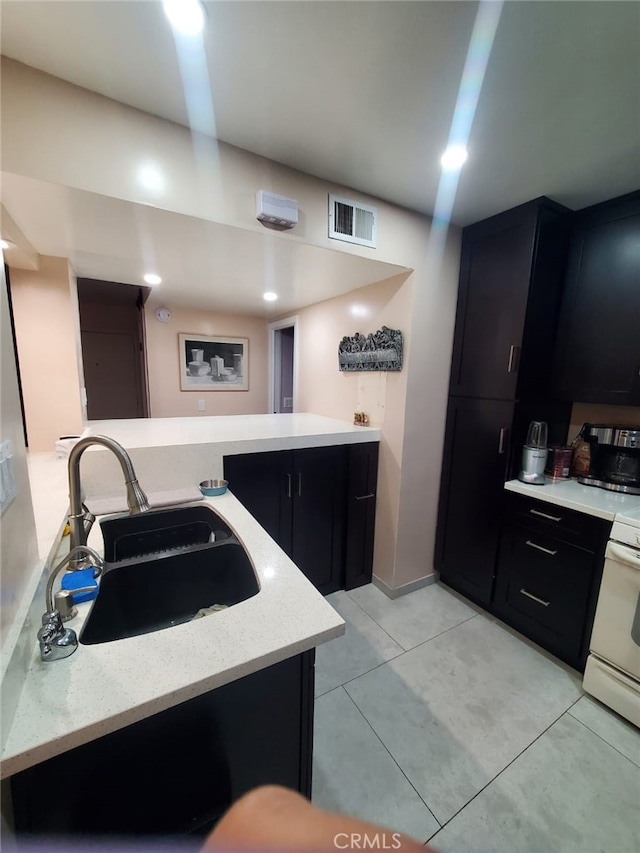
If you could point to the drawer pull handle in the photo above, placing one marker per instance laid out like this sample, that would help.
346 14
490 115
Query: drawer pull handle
299 485
540 548
535 598
365 497
514 353
545 515
288 485
503 433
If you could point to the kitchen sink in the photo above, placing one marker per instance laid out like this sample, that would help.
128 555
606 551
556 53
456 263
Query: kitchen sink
161 531
161 568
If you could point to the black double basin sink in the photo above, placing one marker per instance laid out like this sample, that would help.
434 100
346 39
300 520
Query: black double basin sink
161 568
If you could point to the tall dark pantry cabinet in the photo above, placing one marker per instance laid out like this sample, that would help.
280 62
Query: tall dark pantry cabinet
511 274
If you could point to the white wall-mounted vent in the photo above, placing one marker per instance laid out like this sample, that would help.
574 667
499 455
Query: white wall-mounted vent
276 210
351 221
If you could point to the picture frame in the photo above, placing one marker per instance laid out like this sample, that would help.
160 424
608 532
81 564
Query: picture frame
213 363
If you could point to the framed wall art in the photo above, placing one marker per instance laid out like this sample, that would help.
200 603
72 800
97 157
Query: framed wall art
213 364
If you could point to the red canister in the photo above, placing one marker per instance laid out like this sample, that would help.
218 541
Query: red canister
559 461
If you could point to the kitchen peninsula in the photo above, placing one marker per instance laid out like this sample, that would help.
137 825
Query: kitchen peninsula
157 704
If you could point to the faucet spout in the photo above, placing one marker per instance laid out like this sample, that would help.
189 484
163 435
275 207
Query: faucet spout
136 498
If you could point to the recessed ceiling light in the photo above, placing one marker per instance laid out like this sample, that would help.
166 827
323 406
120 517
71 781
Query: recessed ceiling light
454 157
185 16
270 296
152 278
6 244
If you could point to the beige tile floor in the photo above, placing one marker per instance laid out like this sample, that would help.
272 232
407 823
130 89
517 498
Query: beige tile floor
435 719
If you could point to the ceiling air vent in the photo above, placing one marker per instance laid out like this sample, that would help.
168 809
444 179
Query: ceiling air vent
352 221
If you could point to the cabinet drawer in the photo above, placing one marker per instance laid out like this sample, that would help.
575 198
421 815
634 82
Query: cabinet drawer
578 528
543 588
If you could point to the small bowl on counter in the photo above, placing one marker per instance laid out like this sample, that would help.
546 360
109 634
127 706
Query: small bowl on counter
211 488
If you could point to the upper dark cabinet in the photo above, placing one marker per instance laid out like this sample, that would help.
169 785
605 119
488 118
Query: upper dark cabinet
512 267
598 351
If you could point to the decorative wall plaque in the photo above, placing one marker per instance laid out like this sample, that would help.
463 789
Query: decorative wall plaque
381 350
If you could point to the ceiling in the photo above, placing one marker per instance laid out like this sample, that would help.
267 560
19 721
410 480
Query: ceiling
204 264
363 93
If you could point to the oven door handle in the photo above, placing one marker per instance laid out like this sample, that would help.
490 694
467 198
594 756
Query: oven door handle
621 554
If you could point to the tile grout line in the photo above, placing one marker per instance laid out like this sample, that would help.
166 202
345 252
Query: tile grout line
601 738
395 657
384 746
435 637
397 642
515 758
366 672
375 621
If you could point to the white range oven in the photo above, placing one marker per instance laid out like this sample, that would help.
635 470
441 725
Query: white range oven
612 673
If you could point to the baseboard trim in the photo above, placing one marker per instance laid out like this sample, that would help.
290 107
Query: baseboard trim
397 591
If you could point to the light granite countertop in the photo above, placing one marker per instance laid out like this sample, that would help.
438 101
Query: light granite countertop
573 495
102 688
181 452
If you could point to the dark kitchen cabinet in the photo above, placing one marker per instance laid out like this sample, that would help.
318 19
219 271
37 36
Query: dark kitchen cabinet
476 454
511 273
362 482
176 772
598 352
548 575
299 497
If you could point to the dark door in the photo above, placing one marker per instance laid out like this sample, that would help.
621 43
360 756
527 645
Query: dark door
113 349
263 483
110 375
494 286
318 515
598 351
475 460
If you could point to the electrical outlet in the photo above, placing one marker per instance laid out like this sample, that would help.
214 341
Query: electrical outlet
287 403
201 406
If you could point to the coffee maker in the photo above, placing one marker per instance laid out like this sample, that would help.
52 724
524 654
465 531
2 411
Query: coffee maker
615 457
534 454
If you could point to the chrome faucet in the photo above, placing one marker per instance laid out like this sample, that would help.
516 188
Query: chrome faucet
55 640
136 498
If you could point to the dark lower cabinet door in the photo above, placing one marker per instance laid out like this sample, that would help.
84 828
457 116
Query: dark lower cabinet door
362 482
319 481
176 772
299 497
475 460
543 588
263 483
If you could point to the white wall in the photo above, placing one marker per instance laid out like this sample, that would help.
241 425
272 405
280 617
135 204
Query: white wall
164 364
18 546
45 306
